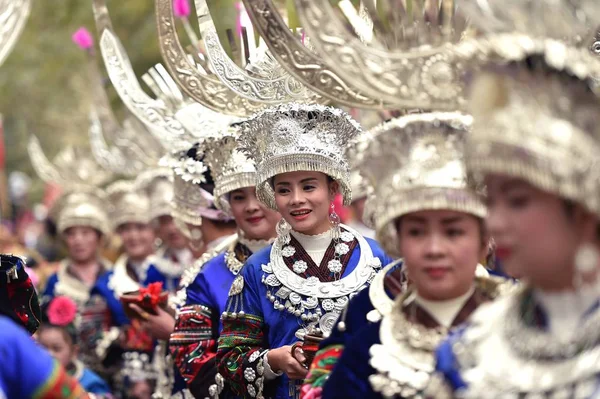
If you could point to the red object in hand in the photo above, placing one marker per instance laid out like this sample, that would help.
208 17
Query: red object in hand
151 294
149 299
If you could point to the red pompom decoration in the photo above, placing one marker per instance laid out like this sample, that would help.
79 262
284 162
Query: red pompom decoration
83 38
181 8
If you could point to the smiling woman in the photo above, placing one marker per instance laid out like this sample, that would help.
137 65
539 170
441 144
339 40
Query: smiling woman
136 268
254 220
304 200
299 285
202 299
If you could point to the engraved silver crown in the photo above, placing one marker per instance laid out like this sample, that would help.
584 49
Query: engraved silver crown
230 168
299 137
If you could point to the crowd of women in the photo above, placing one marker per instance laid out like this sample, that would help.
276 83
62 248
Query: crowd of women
469 268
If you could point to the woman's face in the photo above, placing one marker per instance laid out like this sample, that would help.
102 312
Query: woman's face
82 243
140 390
441 249
168 232
55 341
138 240
303 199
536 235
252 217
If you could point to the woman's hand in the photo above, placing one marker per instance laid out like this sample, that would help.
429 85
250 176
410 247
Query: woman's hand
160 326
281 359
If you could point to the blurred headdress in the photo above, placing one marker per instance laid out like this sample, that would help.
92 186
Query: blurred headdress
192 187
231 169
82 208
534 98
158 185
127 204
414 163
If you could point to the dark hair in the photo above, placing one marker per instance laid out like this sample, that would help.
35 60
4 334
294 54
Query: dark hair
69 337
68 330
51 228
99 234
209 183
538 62
225 224
569 207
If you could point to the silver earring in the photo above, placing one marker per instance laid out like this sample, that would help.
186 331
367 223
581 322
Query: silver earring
283 229
586 262
335 221
196 239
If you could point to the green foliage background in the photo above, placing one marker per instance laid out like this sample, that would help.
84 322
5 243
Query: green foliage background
43 82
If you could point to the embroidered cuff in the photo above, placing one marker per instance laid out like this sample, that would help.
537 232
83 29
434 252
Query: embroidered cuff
269 373
192 344
240 354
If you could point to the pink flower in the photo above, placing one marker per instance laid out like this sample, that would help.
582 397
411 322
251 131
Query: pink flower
83 38
238 20
181 8
308 392
61 311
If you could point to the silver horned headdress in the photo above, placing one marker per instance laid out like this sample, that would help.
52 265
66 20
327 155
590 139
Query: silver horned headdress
13 15
230 168
399 52
299 137
72 168
128 205
416 163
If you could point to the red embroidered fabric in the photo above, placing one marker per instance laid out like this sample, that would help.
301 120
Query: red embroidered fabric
193 344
